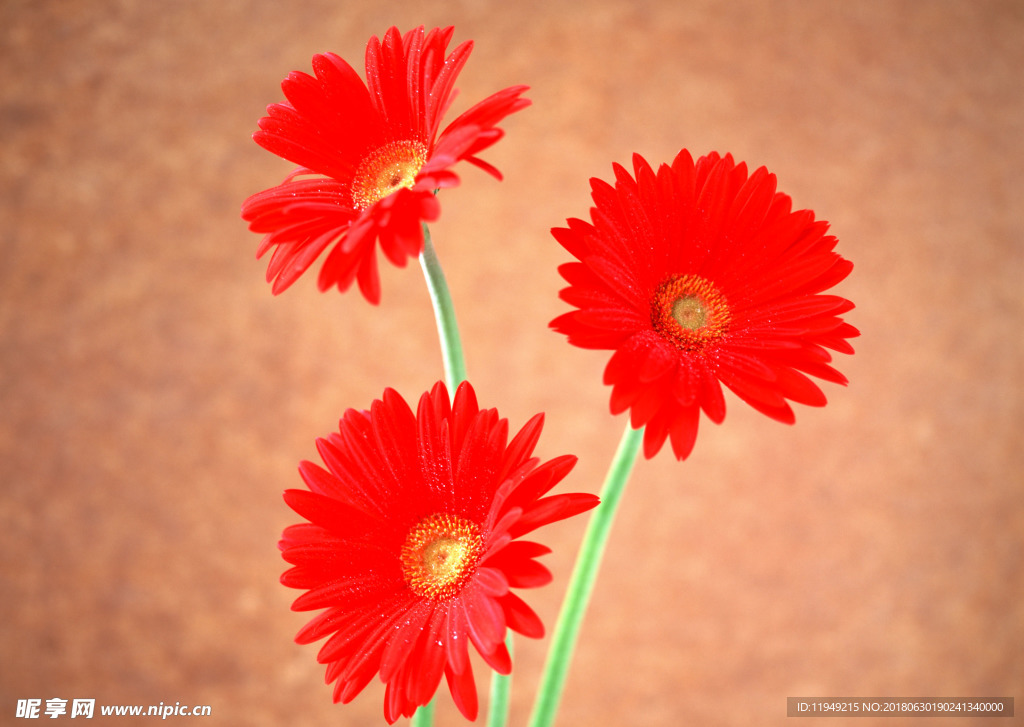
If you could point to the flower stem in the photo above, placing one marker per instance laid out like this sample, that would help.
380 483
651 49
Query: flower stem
444 314
497 711
423 717
454 374
563 642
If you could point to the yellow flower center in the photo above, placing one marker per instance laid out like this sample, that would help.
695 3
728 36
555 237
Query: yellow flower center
690 312
439 554
386 170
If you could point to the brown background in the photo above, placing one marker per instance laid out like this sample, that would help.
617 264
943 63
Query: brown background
156 398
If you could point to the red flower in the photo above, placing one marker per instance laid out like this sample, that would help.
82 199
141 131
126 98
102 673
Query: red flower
376 154
412 545
701 275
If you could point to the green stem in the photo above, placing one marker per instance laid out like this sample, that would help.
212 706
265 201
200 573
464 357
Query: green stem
423 717
454 374
497 713
563 642
444 314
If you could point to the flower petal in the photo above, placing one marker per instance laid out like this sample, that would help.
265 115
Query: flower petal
400 488
762 265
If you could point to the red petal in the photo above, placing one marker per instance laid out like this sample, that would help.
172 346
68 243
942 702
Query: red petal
552 509
522 445
401 642
463 691
456 638
521 618
516 561
485 619
683 431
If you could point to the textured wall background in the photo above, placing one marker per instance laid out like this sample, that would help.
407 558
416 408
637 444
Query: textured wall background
156 398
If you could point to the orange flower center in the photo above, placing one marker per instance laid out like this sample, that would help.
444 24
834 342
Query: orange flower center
690 312
440 554
386 170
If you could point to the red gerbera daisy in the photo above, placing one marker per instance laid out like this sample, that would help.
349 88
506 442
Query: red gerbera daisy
412 544
376 154
699 275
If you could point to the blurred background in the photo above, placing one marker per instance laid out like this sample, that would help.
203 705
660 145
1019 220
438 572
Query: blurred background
155 398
